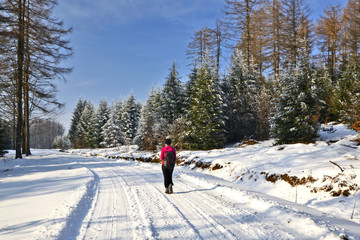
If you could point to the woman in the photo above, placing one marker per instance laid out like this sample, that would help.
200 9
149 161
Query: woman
168 154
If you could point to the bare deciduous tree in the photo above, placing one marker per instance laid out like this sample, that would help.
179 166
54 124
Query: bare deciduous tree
328 30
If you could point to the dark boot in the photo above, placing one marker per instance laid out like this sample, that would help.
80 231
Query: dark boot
171 188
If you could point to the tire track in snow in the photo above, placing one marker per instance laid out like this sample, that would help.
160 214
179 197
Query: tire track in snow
195 214
108 220
226 217
160 218
130 204
272 219
230 215
204 218
141 226
74 223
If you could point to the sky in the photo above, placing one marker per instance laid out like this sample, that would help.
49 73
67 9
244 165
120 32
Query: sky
127 46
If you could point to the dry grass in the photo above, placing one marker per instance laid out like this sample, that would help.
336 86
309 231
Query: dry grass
292 180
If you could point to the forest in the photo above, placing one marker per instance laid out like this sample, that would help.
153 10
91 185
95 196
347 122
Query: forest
32 45
265 69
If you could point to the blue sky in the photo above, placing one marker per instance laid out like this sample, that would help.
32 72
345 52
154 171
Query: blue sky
124 46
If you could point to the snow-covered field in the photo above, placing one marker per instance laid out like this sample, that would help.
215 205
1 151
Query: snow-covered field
255 191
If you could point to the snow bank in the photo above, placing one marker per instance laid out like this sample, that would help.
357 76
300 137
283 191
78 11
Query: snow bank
324 175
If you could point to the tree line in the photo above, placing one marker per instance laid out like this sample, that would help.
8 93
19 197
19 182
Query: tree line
32 45
286 75
104 126
265 69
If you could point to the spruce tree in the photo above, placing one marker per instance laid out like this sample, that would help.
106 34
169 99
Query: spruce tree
130 119
189 85
172 96
347 91
61 142
111 131
145 136
242 92
74 132
160 127
86 127
293 121
102 115
322 91
206 129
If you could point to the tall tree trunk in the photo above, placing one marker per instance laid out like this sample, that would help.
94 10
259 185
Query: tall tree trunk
218 47
19 77
248 37
26 84
293 40
276 38
14 122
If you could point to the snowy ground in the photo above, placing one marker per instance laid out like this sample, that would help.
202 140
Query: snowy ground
91 194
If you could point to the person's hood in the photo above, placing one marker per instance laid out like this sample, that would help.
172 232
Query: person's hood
168 148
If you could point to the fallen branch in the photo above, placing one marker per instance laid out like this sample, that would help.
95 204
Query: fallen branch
342 170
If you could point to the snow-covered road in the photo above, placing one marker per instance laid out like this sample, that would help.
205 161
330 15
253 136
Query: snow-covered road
129 203
126 200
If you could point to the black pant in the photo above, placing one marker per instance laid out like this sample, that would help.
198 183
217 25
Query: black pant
167 176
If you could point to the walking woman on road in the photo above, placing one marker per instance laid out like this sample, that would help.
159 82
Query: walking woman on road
168 157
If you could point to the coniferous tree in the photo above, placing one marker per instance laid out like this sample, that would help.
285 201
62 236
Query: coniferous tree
160 127
206 128
172 96
61 142
130 115
189 87
118 108
145 135
111 131
264 108
293 121
102 115
347 91
323 92
74 131
91 137
178 132
173 108
242 95
86 127
232 94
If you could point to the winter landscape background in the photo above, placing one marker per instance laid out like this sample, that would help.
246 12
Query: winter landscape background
265 120
116 193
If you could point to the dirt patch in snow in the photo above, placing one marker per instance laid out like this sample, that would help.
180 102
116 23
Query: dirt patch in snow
292 180
340 185
203 165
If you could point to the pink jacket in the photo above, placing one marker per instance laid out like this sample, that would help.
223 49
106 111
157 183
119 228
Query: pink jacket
166 149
